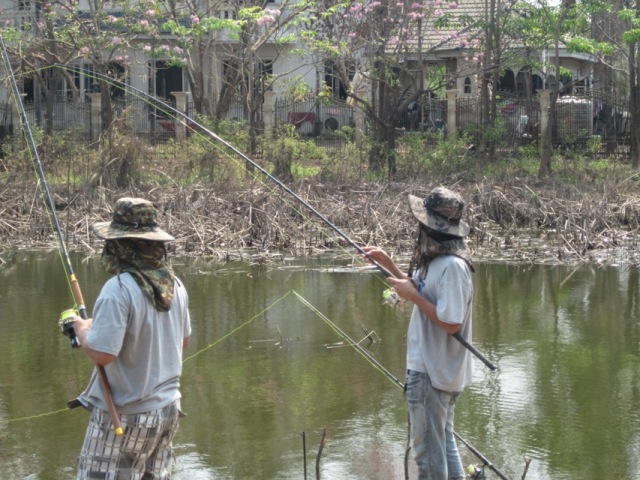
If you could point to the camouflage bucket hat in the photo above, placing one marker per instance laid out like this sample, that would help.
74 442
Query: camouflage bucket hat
132 218
441 210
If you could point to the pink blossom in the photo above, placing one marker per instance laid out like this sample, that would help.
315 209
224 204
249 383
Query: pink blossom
112 19
195 20
84 50
453 5
416 5
265 20
146 48
151 12
116 40
144 23
178 50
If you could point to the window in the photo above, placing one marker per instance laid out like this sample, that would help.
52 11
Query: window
333 79
467 85
168 79
264 74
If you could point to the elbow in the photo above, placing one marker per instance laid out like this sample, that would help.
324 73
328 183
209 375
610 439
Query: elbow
103 359
452 328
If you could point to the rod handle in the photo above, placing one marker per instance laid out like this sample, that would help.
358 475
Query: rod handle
102 375
475 351
108 395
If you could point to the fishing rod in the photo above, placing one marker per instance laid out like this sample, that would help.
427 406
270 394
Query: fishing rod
352 342
169 108
485 461
67 317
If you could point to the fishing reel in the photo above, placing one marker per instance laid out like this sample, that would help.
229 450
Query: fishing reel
391 298
475 473
66 324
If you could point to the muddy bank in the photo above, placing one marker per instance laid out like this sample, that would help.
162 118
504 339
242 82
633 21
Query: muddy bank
514 222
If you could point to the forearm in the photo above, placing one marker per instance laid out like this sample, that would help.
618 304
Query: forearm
380 257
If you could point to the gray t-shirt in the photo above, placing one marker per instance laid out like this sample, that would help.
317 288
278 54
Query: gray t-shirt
430 349
147 343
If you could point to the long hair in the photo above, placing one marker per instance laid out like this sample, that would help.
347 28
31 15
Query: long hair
431 244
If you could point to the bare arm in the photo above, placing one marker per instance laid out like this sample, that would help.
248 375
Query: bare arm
82 327
384 260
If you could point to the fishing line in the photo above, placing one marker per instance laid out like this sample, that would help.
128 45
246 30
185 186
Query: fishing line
350 342
376 364
176 114
278 182
238 328
64 254
167 108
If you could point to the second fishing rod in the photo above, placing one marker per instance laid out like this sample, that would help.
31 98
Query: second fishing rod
66 320
194 124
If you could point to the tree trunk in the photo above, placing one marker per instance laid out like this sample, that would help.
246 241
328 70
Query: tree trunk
383 149
634 103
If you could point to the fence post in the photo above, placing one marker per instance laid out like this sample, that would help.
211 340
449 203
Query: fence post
96 108
359 119
181 106
452 127
268 113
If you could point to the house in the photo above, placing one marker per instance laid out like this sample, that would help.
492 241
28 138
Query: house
141 63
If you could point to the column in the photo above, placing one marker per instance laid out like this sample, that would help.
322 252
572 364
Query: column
181 123
96 109
452 126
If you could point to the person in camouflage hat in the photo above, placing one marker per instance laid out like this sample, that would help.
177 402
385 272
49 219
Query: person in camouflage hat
438 366
139 329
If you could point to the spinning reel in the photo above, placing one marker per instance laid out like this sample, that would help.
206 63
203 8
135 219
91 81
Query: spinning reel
66 324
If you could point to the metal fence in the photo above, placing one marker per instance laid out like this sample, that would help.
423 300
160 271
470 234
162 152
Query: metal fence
67 115
313 116
426 114
594 119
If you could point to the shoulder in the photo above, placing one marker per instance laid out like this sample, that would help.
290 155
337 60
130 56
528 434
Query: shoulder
119 285
452 267
450 262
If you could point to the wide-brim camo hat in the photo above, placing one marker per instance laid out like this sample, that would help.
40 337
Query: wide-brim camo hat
132 218
441 210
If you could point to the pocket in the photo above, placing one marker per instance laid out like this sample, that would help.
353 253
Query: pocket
415 392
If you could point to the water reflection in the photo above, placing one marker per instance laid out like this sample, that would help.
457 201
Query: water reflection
259 373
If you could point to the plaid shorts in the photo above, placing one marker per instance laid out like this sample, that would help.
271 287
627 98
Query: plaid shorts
143 452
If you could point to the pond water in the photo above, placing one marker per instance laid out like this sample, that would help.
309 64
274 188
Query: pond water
266 373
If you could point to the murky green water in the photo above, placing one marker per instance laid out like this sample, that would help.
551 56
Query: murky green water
265 372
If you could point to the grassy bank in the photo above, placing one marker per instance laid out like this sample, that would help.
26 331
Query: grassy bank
219 204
